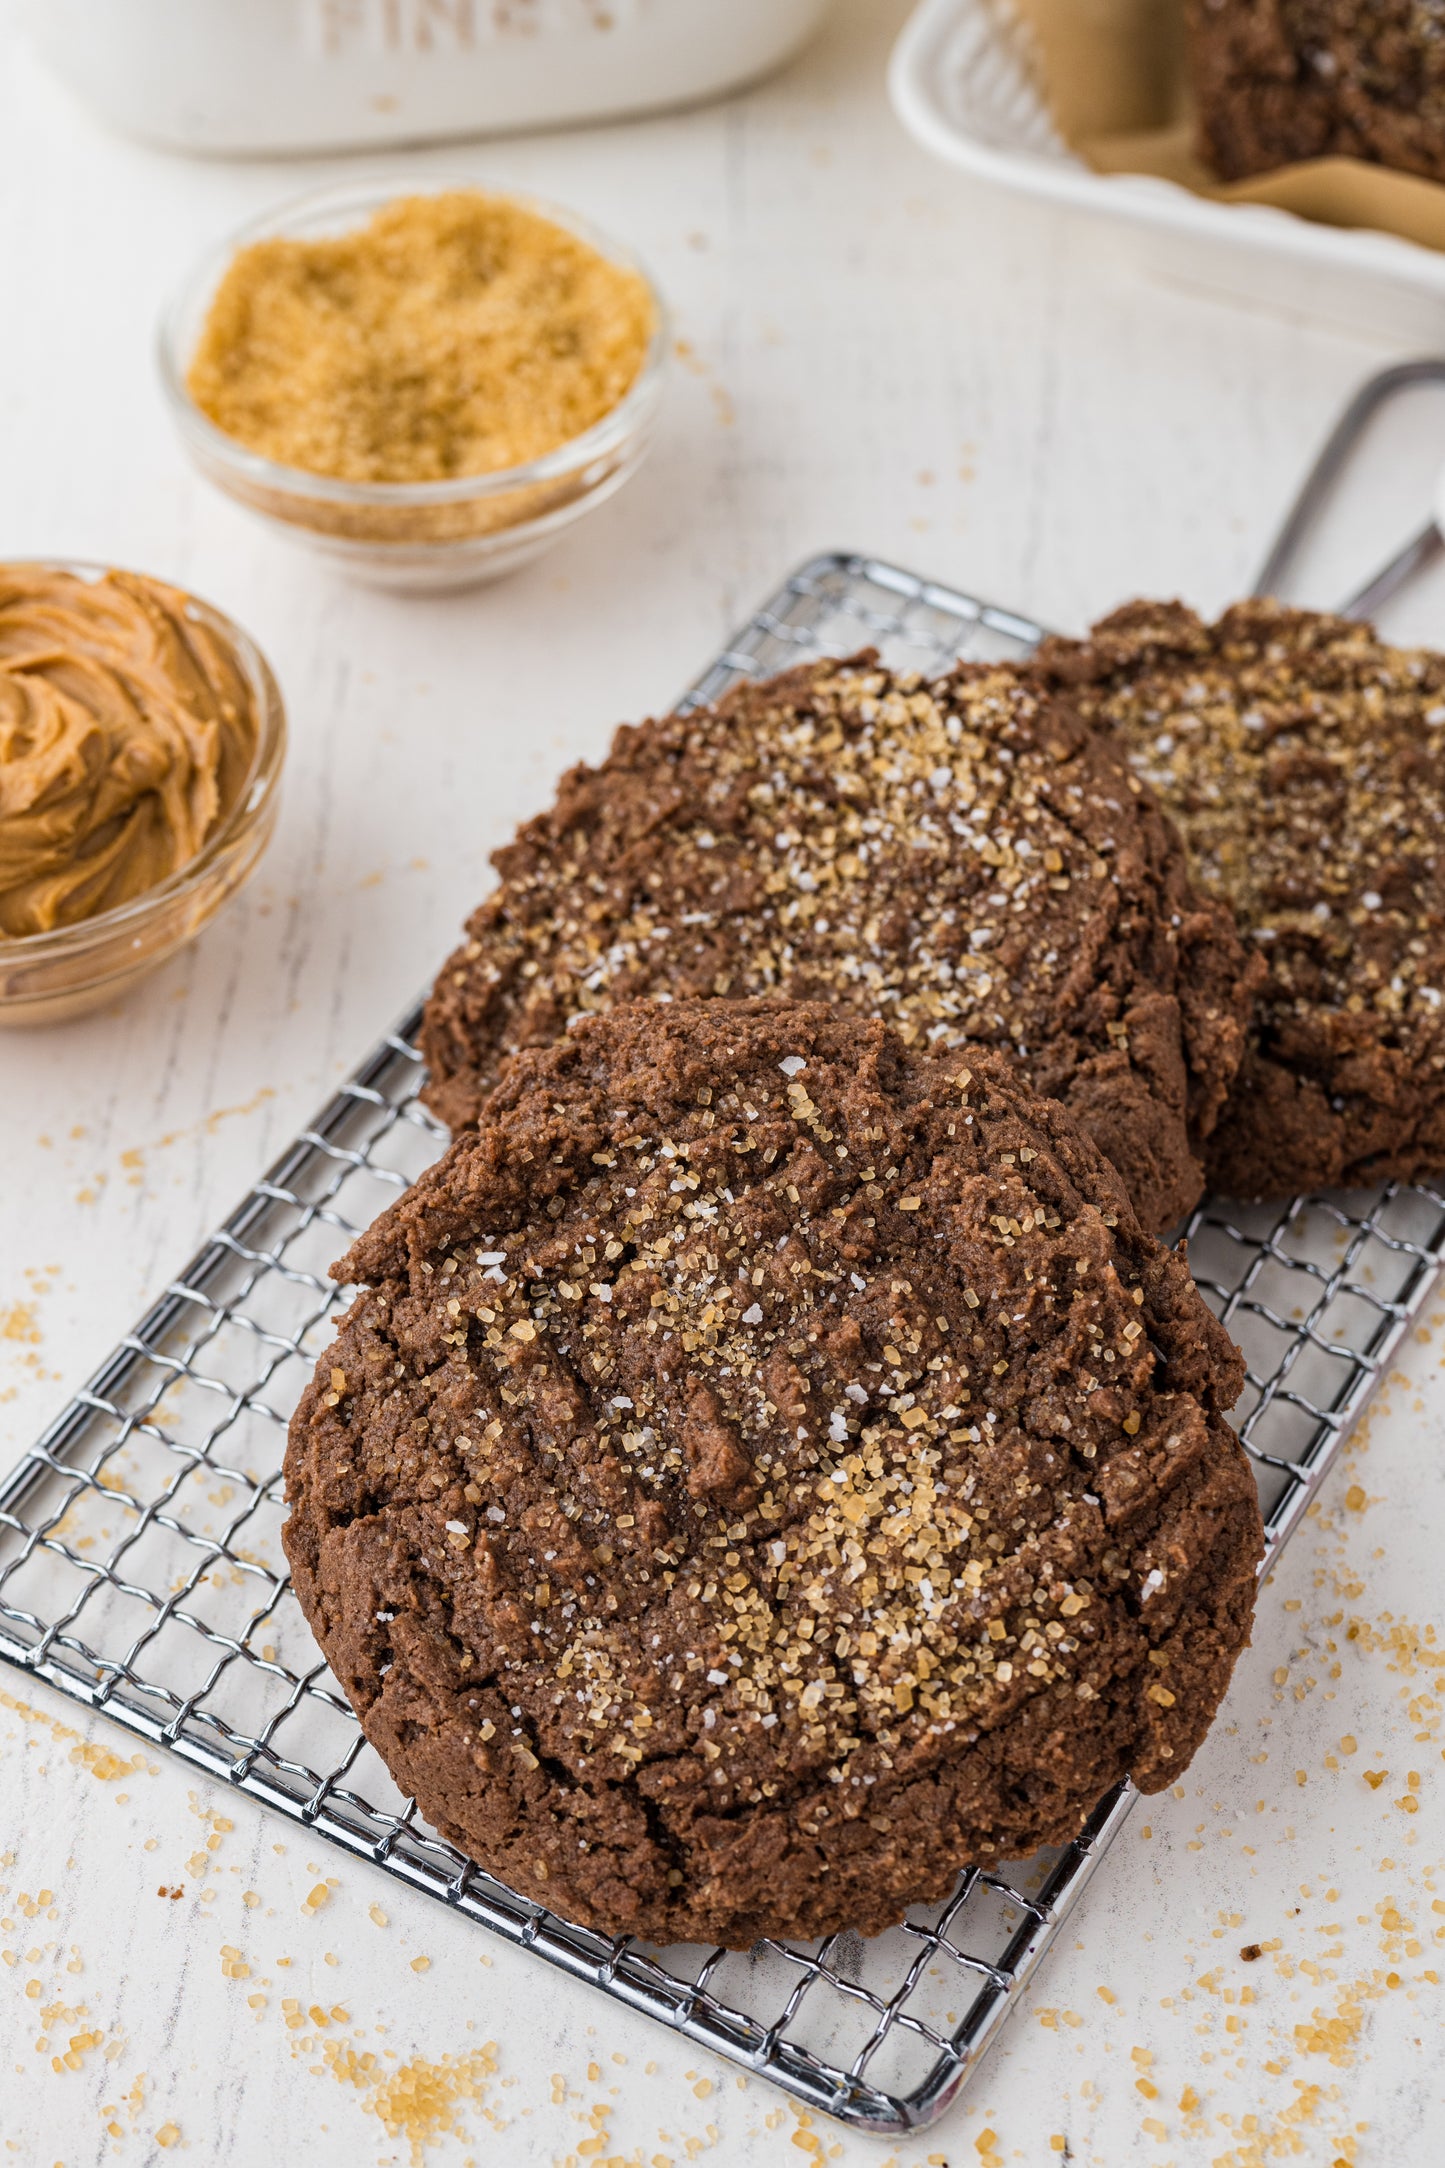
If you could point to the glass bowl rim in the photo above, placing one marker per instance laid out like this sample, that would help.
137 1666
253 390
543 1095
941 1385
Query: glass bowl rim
258 790
370 192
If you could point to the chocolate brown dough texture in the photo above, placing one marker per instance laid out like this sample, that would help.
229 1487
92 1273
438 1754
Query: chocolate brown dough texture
127 732
1277 81
964 858
768 1468
1305 764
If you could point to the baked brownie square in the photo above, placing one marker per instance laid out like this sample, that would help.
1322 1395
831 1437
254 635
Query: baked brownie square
1278 81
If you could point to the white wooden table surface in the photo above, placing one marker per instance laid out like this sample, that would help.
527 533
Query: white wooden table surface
875 357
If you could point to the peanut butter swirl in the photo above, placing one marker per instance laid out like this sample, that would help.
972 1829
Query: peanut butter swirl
127 731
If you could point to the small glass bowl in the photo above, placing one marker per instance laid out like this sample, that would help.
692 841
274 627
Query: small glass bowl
47 977
419 535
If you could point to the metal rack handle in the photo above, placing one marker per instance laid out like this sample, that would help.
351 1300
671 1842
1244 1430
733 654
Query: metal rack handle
1339 448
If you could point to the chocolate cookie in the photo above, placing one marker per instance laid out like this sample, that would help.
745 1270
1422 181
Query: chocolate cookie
769 1468
1305 764
964 859
1276 81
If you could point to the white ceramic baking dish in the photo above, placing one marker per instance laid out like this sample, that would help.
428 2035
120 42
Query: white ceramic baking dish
272 76
964 82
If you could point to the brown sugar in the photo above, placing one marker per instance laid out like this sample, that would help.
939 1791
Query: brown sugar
451 335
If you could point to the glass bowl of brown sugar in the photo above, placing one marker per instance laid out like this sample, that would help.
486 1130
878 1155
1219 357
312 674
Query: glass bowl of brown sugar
426 382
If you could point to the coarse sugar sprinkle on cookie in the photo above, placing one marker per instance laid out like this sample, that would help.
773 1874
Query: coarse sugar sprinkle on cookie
964 858
1304 761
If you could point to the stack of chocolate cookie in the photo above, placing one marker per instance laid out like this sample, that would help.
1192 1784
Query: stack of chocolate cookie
772 1463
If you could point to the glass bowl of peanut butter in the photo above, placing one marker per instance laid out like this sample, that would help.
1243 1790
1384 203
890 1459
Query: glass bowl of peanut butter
142 737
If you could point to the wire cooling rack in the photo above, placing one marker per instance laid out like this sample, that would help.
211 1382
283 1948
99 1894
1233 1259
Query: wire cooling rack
141 1569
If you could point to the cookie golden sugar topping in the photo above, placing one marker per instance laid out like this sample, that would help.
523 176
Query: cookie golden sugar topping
961 858
1304 761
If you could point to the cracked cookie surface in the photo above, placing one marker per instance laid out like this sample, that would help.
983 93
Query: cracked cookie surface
1278 81
1304 761
963 858
766 1470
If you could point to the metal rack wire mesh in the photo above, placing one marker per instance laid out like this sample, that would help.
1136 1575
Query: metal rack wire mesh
141 1570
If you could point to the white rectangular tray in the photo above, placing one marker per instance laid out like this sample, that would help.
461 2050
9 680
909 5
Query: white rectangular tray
964 81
